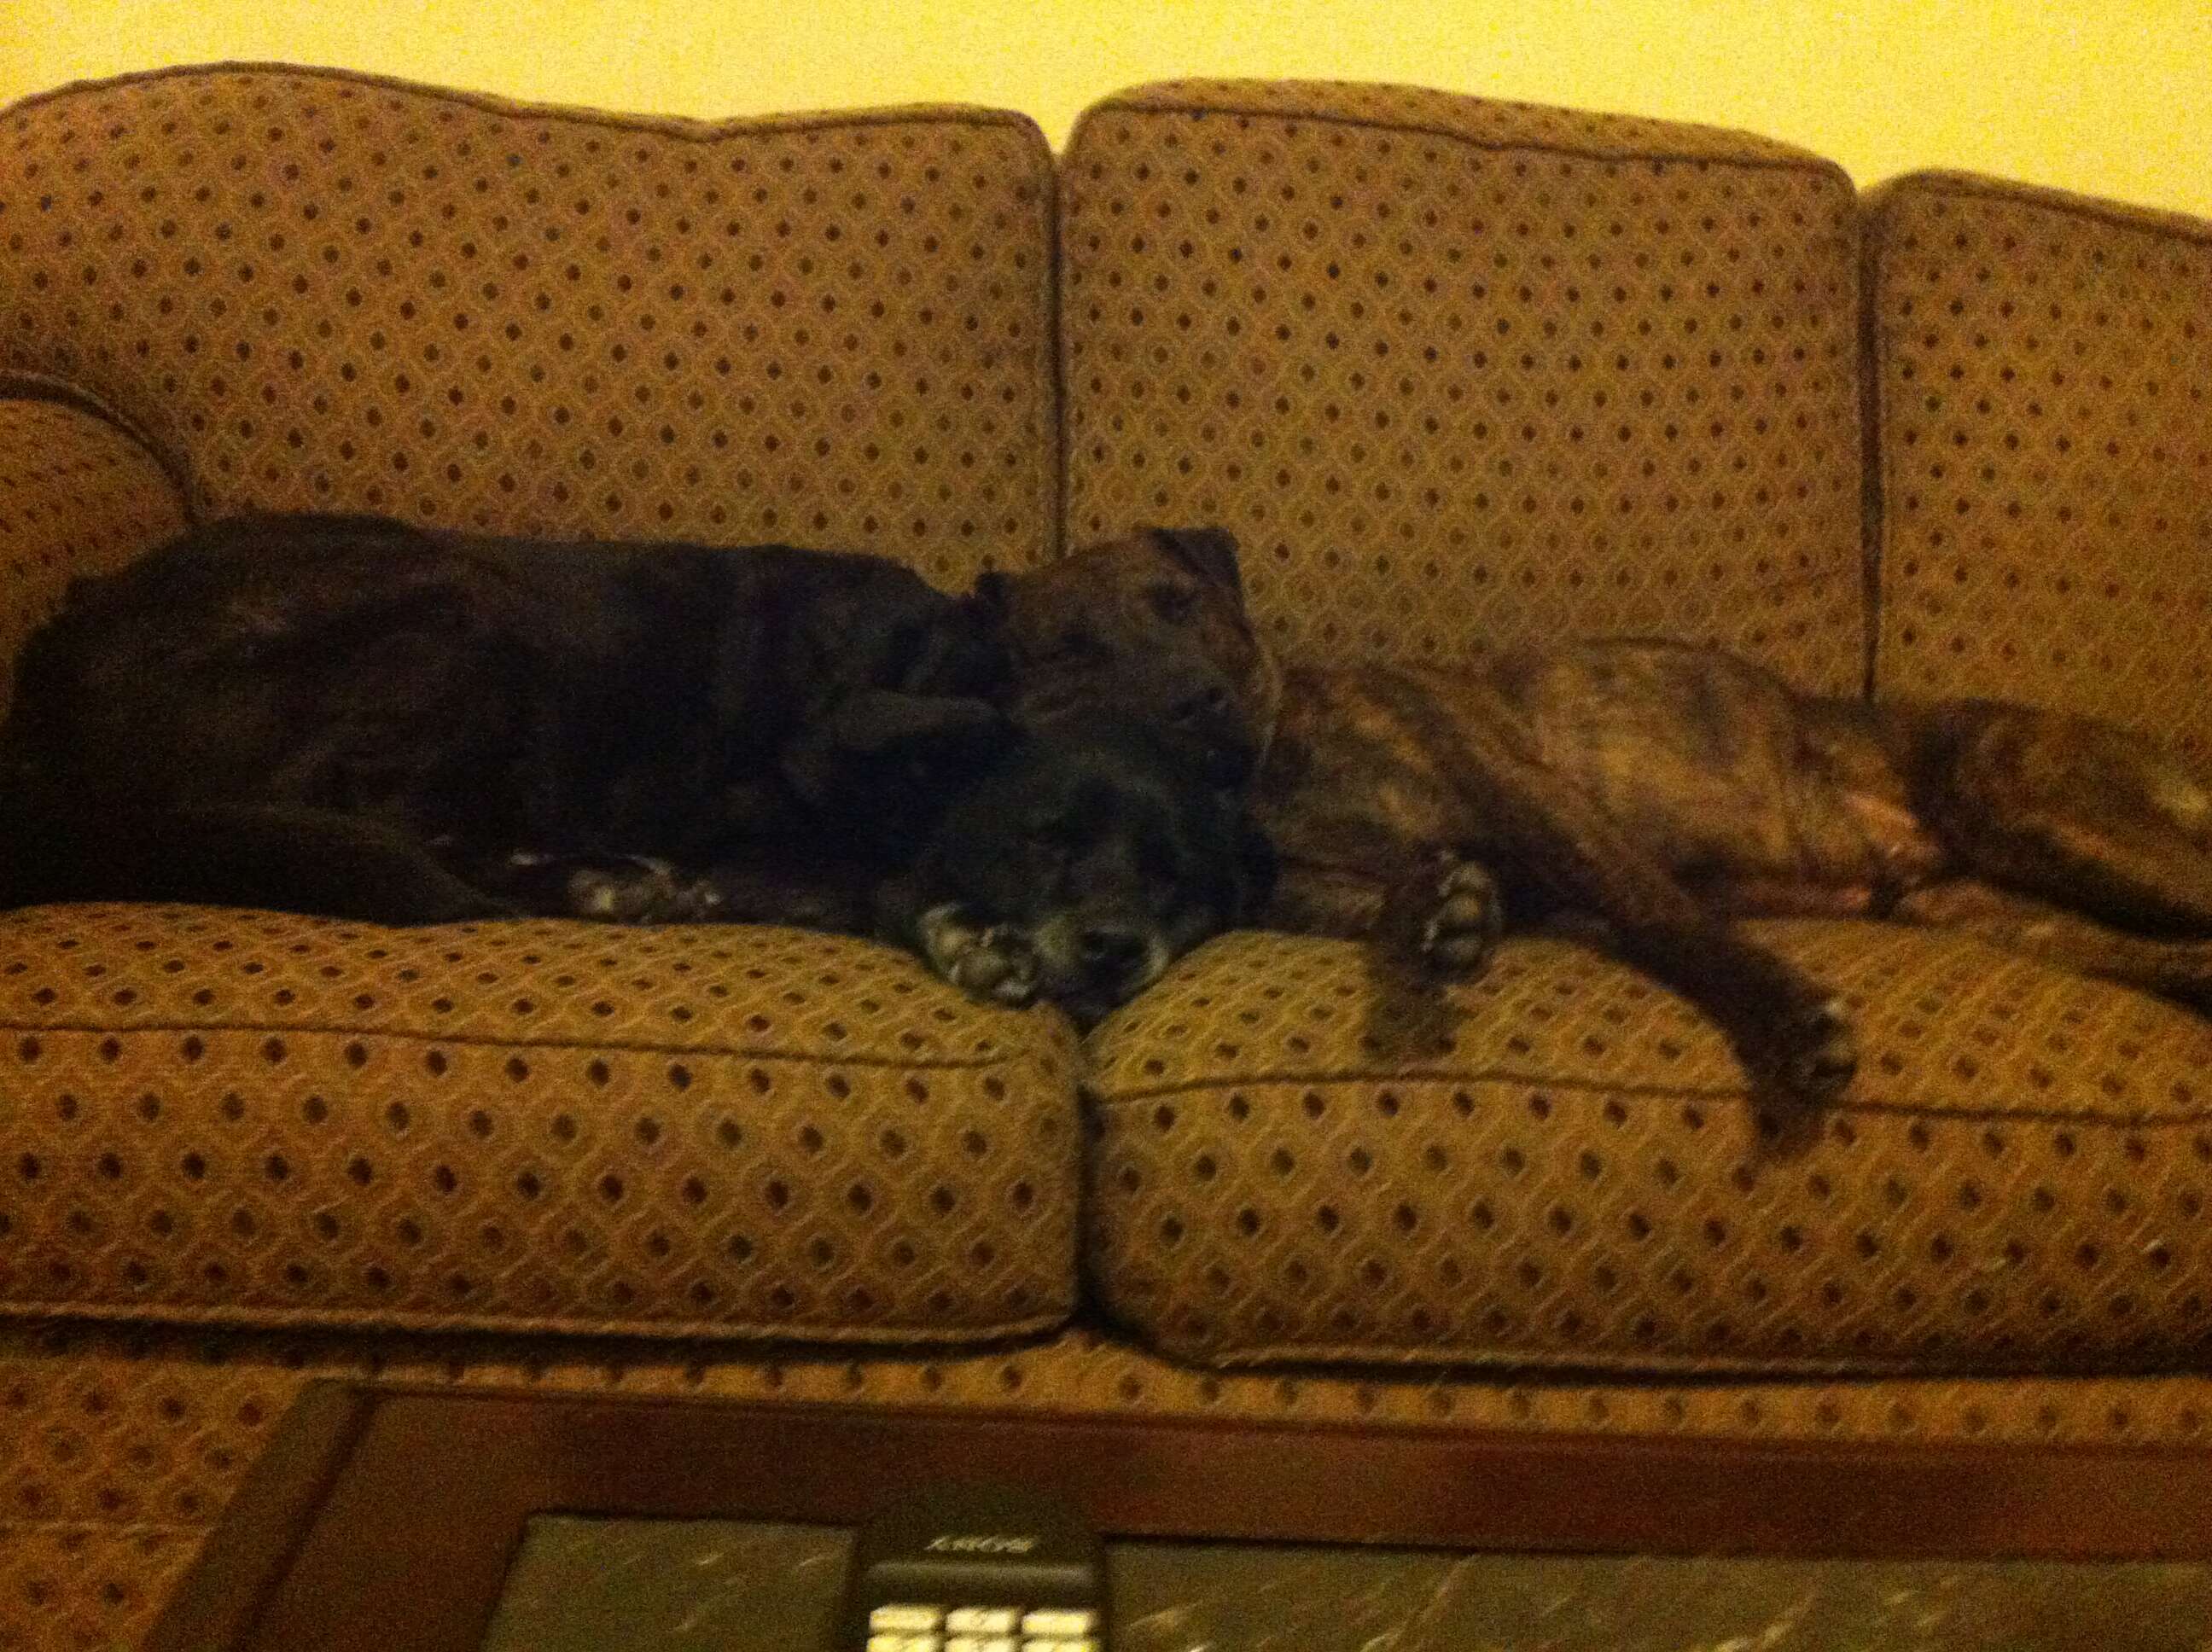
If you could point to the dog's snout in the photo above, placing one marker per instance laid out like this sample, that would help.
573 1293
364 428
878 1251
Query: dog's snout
1110 951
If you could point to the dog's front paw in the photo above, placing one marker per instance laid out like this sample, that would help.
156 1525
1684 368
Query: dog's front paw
639 890
1462 929
1447 919
1813 1053
995 962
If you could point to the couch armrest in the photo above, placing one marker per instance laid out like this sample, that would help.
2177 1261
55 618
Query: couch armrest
78 494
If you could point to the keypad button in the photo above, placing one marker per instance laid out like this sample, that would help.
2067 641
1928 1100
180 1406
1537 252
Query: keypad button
905 1618
982 1620
982 1644
1058 1623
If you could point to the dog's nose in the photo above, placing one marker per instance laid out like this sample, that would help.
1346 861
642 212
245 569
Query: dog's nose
1111 951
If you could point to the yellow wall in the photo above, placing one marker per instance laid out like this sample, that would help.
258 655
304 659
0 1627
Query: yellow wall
2110 96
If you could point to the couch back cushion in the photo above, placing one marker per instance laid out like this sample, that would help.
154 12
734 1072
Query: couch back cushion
1462 374
2043 370
324 291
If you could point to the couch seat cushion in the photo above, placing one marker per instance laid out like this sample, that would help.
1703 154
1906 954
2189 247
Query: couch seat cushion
1558 1166
255 1119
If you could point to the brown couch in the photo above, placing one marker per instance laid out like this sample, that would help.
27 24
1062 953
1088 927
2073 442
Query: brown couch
1457 373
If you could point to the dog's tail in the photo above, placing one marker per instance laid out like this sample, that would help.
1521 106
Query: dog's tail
270 856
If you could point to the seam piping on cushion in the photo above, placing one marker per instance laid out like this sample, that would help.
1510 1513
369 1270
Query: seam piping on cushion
1808 163
19 385
684 126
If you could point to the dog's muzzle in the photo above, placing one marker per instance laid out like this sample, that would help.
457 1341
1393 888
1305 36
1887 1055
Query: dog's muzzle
1095 959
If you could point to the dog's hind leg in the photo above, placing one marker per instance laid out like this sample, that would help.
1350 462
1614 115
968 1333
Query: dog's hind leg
283 857
2180 970
2075 812
608 889
816 891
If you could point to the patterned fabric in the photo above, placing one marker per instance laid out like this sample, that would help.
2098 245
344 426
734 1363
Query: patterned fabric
76 497
127 1445
2043 367
260 1119
1459 373
80 1589
324 291
1462 374
1557 1166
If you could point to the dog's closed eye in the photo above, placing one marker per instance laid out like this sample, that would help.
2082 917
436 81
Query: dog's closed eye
1174 603
1072 648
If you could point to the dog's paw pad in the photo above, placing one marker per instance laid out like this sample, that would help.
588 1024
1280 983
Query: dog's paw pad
996 963
1004 967
696 901
629 892
1464 923
1819 1053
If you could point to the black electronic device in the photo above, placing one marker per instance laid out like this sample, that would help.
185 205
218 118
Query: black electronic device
976 1567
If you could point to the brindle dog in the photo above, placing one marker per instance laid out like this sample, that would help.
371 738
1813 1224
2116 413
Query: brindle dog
1662 788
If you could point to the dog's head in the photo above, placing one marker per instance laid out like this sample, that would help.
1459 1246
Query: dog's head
1079 868
1150 628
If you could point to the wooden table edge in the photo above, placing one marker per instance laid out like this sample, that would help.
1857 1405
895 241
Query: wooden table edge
315 1519
246 1555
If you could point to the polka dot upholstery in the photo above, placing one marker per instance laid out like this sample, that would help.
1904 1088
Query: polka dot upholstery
1460 375
77 496
2043 365
323 291
131 1443
255 1119
1557 1165
87 1587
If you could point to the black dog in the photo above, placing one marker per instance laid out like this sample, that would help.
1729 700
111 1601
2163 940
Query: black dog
352 717
1077 869
348 715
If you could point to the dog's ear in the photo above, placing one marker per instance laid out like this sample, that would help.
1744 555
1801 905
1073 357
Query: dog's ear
1210 553
988 600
